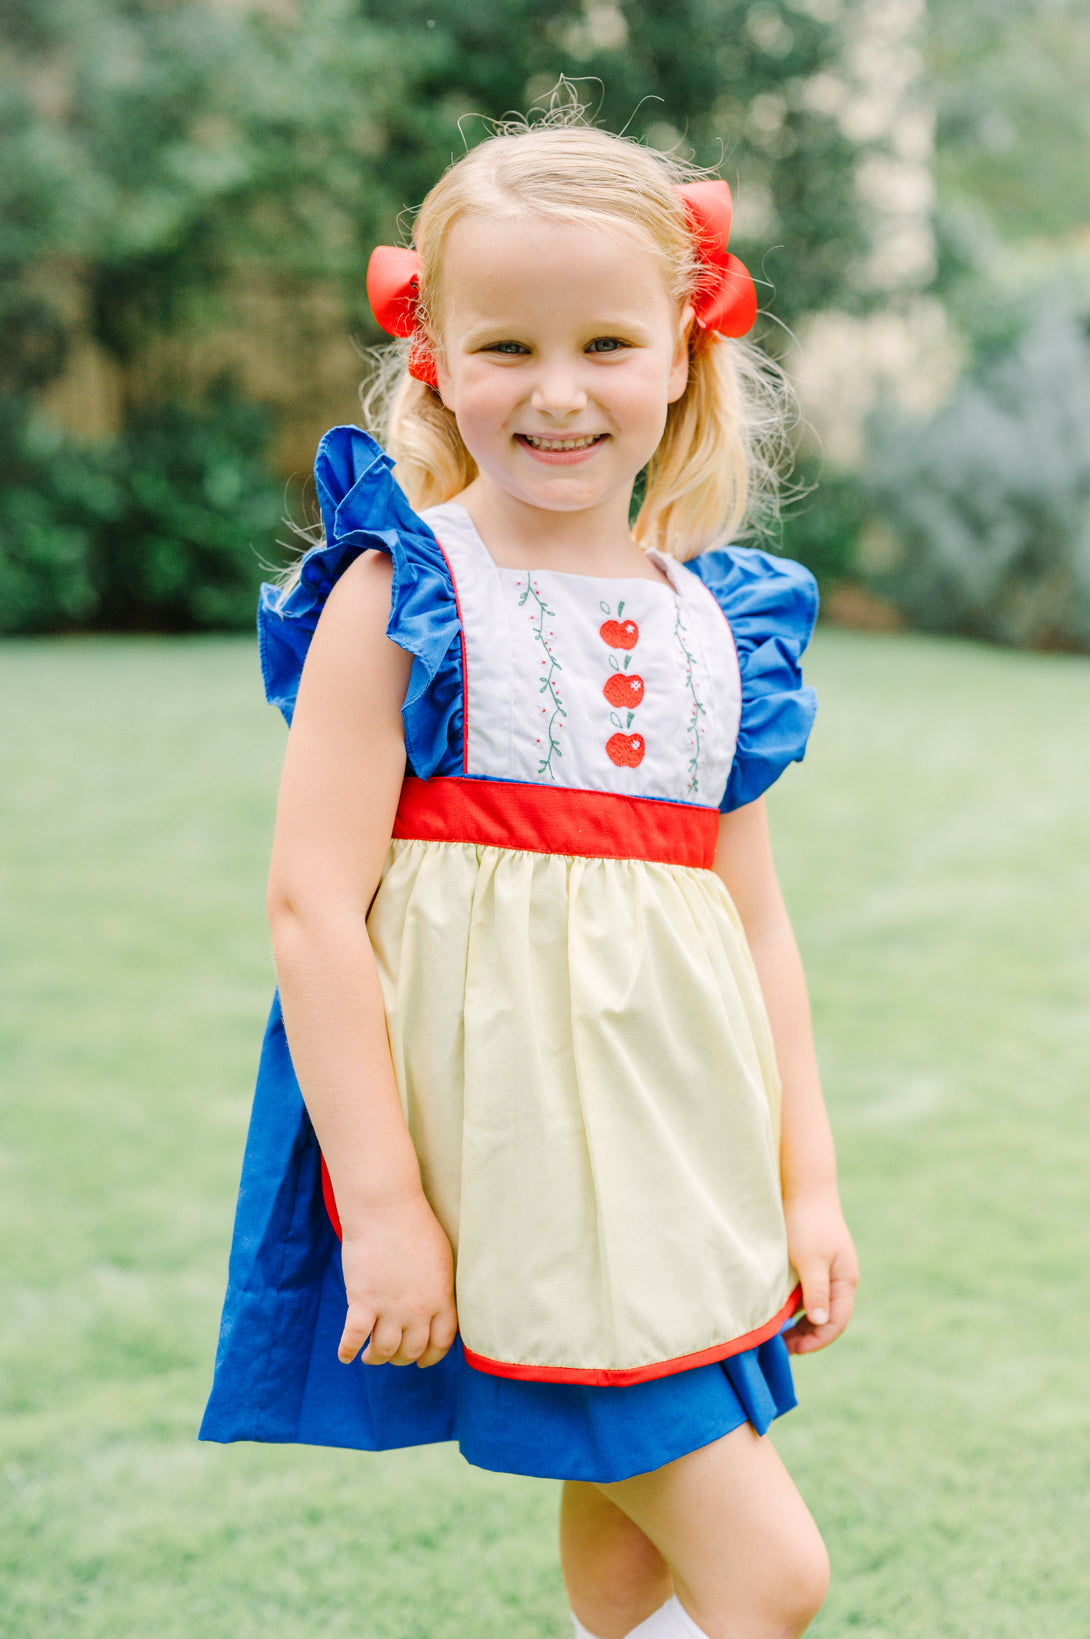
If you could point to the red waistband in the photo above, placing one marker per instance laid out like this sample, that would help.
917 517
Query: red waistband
544 819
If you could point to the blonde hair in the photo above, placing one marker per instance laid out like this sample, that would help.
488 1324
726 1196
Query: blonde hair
716 467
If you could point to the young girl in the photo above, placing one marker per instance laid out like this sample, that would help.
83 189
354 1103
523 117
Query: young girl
536 976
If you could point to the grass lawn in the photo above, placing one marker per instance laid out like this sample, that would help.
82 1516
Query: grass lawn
935 854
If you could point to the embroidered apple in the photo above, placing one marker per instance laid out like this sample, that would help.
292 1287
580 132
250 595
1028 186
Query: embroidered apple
624 689
626 750
619 634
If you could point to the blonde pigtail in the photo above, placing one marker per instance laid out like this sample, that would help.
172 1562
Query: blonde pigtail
716 473
430 461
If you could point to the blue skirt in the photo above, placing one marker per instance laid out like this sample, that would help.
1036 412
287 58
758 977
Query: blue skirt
277 1375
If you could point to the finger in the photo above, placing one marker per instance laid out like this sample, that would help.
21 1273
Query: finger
384 1344
800 1337
808 1335
815 1294
444 1329
842 1302
357 1329
414 1340
805 1338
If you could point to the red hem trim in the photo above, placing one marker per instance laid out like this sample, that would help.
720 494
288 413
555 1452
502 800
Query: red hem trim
556 820
616 1378
598 1376
330 1201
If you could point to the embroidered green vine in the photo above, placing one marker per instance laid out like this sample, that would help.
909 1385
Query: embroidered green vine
698 709
545 766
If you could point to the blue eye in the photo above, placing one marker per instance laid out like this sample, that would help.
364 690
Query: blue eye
606 344
513 348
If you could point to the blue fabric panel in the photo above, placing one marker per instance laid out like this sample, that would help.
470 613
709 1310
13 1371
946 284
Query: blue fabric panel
278 1379
567 1431
362 509
280 1249
771 604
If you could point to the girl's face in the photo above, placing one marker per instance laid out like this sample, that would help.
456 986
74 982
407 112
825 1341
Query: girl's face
561 351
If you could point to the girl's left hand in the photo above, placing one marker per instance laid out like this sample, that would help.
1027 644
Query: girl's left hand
821 1250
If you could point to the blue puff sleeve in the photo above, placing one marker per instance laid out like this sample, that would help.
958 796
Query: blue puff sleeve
770 604
363 508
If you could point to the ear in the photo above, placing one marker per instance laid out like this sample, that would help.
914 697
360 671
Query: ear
442 382
678 378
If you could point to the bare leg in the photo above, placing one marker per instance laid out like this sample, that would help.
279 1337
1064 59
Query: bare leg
614 1576
746 1557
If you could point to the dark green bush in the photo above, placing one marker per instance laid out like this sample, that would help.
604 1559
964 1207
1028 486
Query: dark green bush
164 530
982 513
822 526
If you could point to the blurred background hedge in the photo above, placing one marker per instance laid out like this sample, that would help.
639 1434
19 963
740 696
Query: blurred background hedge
189 193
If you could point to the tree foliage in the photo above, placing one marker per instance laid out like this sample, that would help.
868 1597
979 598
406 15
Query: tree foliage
159 146
979 517
155 531
156 153
1013 116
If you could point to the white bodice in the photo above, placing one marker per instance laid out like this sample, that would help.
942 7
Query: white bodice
627 686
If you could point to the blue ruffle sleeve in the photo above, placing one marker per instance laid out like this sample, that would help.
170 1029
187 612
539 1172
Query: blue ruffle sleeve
363 508
770 604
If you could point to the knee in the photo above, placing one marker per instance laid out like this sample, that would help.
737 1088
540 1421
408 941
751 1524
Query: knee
778 1603
803 1584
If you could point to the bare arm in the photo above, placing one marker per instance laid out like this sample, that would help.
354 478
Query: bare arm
342 777
820 1246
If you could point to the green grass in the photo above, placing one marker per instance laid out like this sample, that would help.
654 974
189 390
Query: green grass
934 851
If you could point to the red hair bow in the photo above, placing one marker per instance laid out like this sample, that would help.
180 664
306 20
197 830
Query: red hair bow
725 300
393 289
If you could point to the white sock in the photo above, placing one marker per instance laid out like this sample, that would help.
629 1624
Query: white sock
670 1621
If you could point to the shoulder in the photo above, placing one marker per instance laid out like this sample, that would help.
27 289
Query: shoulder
362 589
356 611
351 657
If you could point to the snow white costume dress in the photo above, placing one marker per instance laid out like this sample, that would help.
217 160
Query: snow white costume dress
577 1033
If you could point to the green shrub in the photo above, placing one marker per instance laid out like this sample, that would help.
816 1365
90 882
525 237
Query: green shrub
822 525
982 513
164 530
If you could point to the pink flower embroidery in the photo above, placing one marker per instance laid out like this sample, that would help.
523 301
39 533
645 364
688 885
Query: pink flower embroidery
553 709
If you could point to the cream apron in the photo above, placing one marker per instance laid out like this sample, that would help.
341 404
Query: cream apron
576 1027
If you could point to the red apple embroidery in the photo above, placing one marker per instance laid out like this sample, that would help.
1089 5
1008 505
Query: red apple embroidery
619 634
626 750
624 689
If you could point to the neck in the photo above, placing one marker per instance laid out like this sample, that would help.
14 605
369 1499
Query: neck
595 542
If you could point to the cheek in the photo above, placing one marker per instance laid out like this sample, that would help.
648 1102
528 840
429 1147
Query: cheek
645 399
480 407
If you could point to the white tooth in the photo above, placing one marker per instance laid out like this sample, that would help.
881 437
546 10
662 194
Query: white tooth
563 444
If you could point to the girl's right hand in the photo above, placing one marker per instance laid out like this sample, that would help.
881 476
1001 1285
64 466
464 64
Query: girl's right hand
399 1277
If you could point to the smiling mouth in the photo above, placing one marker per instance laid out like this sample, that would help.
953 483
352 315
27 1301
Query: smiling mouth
560 446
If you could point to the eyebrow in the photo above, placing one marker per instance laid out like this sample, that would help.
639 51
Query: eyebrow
616 324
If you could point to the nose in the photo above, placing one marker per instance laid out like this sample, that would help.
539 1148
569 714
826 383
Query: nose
557 389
